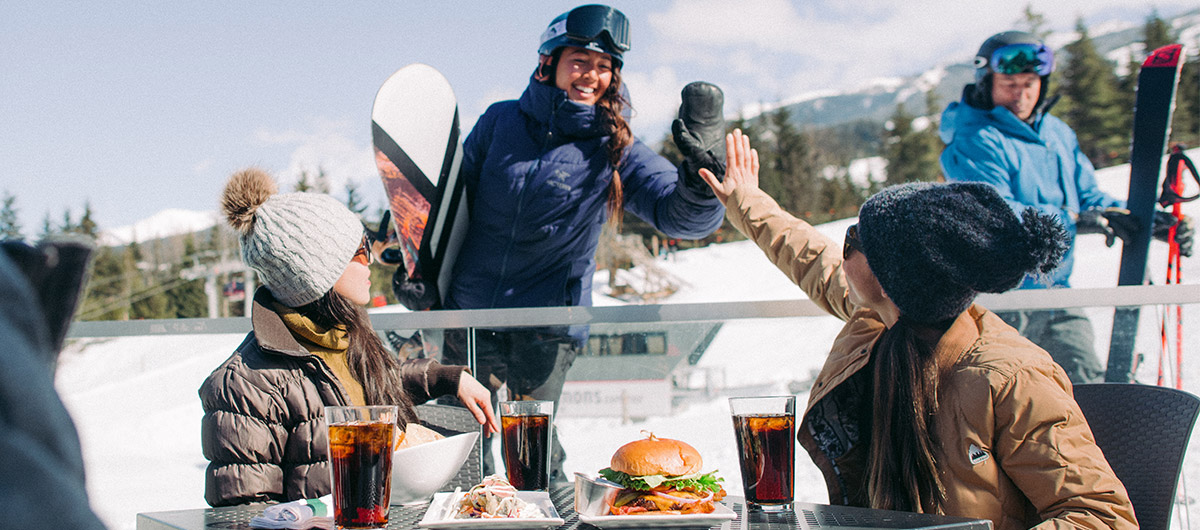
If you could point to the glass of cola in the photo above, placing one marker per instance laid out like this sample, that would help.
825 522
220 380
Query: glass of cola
361 441
765 428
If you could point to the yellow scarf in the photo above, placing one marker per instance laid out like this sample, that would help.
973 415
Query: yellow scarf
330 344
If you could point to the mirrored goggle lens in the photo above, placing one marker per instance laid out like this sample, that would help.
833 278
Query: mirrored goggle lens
1021 58
588 23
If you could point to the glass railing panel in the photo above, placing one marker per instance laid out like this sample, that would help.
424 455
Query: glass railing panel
668 369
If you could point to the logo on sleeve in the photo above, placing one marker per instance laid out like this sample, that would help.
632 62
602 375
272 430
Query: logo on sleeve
977 455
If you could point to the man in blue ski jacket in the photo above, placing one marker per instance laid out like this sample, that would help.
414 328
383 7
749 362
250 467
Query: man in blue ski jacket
1000 133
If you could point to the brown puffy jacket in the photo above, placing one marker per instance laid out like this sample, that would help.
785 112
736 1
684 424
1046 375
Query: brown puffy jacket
264 430
1013 445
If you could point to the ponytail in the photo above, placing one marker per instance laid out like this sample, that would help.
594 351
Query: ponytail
902 471
620 137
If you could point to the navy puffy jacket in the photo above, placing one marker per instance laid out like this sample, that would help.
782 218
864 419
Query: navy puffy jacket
537 175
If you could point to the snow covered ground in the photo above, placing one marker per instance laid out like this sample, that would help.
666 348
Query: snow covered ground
135 405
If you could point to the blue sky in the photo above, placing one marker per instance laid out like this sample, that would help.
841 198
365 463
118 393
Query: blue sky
137 107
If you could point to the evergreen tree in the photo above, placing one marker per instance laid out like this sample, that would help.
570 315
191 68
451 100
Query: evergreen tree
68 224
1185 123
1033 22
354 201
147 296
106 292
911 154
1090 102
321 184
303 183
187 297
10 222
47 227
318 183
87 226
793 164
1156 32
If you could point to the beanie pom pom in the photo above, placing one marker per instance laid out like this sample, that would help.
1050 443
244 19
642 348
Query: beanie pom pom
246 191
1048 240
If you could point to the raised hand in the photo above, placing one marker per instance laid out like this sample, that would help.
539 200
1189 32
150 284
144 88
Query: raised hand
741 167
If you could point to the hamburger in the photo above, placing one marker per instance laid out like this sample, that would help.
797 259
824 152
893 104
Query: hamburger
661 476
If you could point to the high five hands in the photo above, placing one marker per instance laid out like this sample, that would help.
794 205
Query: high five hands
741 167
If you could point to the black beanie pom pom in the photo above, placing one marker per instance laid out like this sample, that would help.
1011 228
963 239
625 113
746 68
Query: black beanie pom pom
1048 240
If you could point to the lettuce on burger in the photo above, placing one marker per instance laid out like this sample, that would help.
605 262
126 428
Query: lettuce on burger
661 476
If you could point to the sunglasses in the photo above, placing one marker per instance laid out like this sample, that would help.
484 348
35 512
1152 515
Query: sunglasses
363 254
852 242
1019 58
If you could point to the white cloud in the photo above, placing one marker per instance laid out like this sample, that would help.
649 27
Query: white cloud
655 101
826 44
333 146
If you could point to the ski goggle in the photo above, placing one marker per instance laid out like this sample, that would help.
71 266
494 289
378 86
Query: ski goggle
1019 58
591 23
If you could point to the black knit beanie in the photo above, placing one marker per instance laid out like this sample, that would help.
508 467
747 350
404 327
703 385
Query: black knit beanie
933 247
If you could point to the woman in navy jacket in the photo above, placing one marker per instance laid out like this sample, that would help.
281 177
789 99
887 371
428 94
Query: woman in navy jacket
543 174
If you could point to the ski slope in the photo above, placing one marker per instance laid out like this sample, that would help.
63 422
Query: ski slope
135 404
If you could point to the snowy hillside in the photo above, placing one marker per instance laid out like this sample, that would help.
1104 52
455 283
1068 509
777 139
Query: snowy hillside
1119 42
169 222
135 404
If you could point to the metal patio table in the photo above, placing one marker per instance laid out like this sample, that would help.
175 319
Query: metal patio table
405 517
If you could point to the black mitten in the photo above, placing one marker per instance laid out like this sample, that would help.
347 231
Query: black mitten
699 133
416 294
1163 221
1123 223
1185 233
1093 222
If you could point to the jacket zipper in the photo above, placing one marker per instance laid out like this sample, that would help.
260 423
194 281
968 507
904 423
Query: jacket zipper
512 233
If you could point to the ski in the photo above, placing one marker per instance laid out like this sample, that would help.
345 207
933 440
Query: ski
1151 126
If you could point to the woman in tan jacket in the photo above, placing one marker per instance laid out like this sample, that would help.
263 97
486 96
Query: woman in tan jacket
927 402
312 345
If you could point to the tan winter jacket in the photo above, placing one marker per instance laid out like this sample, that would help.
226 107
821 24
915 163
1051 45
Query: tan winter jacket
264 430
1014 446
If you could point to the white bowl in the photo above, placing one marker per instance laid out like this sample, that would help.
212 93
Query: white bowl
419 472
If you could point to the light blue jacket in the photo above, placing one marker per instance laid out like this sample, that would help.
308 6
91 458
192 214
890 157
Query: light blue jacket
1039 166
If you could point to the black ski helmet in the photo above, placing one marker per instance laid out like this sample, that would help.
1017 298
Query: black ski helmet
594 27
1013 52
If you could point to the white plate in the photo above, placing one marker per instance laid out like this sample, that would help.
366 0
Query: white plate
719 515
435 516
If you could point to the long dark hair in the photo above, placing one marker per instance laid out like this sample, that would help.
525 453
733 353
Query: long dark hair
370 363
620 136
902 471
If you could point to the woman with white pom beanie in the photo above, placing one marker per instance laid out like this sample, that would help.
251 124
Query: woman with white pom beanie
264 431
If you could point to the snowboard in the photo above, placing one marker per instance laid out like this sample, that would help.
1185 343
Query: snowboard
1152 109
418 151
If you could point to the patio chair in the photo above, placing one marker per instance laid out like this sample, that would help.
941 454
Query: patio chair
450 420
1143 431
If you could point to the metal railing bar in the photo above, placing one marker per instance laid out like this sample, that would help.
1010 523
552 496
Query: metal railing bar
698 312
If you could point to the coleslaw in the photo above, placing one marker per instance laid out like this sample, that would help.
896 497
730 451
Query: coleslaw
494 498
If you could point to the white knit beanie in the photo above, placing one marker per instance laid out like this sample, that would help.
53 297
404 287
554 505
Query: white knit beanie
299 243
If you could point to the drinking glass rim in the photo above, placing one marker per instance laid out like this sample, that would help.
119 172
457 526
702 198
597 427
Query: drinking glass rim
751 398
